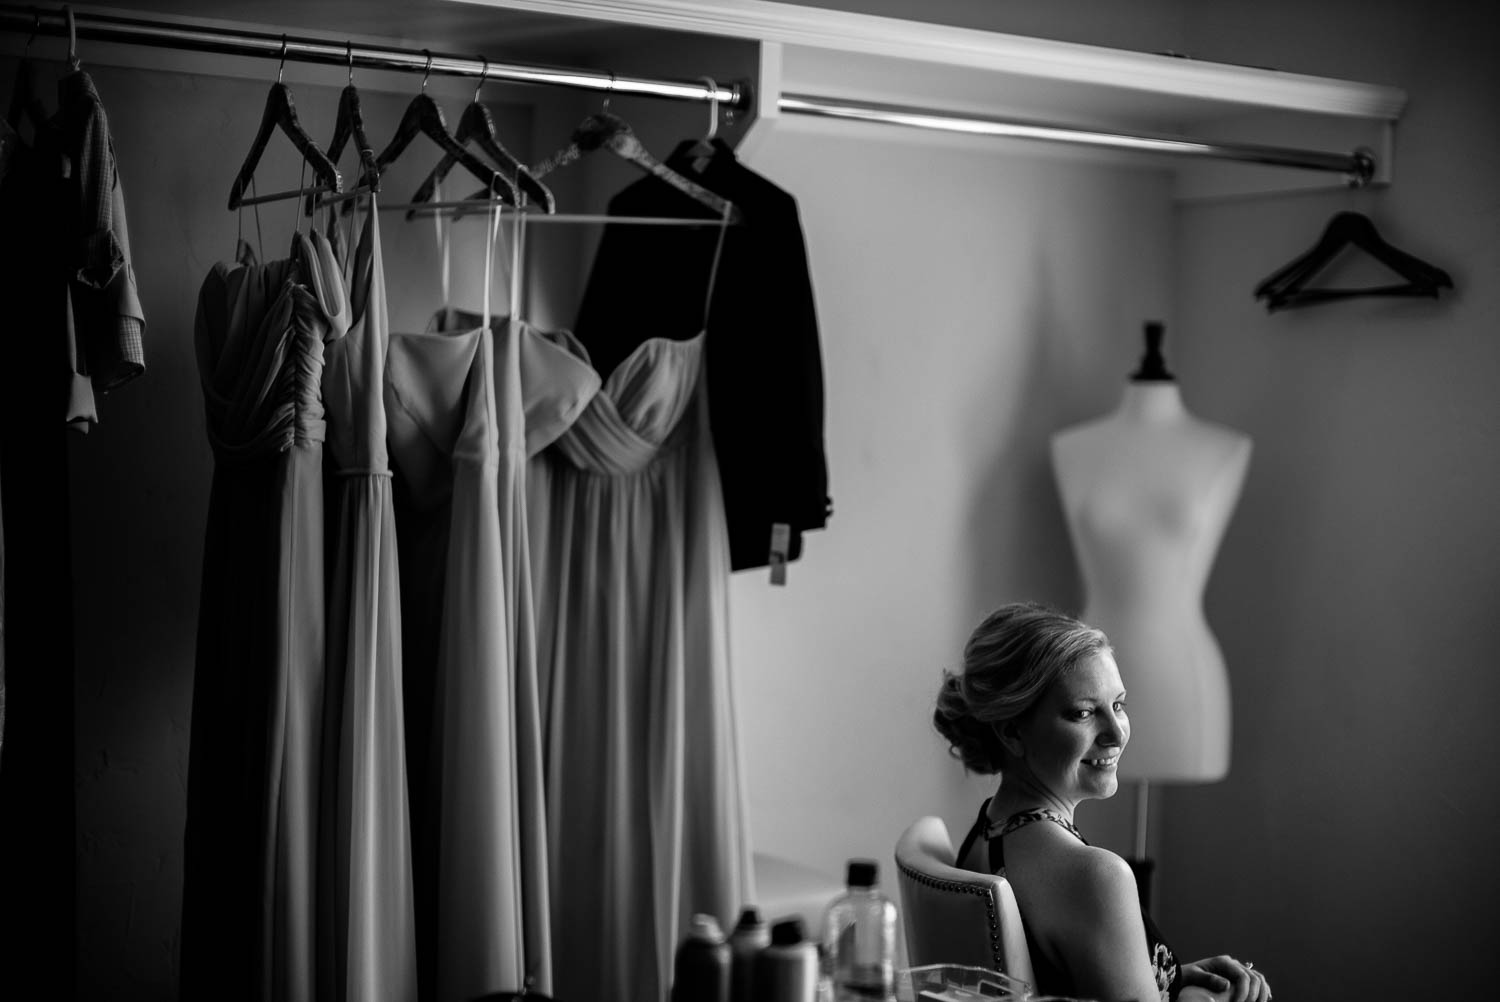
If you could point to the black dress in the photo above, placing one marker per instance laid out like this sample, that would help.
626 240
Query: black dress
1050 978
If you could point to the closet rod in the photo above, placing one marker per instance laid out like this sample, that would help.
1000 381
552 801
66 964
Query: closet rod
1358 167
239 42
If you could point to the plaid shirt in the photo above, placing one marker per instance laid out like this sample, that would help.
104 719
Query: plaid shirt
104 310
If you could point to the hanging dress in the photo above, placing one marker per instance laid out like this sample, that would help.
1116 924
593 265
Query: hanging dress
367 923
249 881
458 448
646 817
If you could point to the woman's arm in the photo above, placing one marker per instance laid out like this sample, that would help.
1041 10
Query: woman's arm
1101 937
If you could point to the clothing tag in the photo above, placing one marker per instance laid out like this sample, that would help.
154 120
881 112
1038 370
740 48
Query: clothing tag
700 164
781 541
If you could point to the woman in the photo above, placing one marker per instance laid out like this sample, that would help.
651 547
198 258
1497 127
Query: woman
1040 702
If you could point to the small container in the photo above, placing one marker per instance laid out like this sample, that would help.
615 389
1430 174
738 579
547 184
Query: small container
787 970
751 935
859 939
700 971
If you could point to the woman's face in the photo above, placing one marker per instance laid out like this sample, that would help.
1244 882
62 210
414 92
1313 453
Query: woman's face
1073 737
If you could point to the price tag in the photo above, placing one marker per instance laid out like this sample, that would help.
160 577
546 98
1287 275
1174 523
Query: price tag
781 541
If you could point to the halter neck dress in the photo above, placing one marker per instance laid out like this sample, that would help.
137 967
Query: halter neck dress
468 400
368 924
1051 978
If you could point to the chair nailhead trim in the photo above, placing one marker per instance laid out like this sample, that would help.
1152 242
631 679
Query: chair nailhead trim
955 885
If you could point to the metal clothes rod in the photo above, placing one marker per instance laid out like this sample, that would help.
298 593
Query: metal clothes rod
237 42
1358 166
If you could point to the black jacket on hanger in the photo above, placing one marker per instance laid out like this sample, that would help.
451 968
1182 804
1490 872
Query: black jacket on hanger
764 366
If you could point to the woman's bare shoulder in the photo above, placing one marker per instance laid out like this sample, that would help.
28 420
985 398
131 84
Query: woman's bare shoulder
1074 871
1099 875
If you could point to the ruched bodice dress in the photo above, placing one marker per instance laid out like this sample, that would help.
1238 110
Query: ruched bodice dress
367 921
459 427
645 811
249 873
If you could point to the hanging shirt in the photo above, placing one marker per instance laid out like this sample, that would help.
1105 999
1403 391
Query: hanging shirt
105 318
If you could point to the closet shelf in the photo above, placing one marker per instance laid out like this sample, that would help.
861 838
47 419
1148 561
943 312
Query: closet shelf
801 61
835 56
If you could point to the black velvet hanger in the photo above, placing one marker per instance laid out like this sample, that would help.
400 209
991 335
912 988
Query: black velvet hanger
423 116
611 132
350 124
477 126
281 114
1287 288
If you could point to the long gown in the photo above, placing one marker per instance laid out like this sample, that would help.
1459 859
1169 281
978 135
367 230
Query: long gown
249 882
458 432
646 817
367 924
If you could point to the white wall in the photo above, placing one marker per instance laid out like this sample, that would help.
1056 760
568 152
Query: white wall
972 299
1351 850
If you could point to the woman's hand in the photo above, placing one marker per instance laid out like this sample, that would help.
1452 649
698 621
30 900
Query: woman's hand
1229 979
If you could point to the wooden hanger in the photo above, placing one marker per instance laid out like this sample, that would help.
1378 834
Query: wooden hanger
477 126
611 132
1287 287
281 114
424 116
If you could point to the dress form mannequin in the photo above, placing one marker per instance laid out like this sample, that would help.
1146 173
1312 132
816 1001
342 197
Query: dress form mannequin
1148 491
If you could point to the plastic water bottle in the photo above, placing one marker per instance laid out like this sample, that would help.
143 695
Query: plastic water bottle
700 971
859 939
751 935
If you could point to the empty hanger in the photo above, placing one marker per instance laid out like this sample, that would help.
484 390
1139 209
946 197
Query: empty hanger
281 114
477 126
424 116
1287 287
611 132
697 154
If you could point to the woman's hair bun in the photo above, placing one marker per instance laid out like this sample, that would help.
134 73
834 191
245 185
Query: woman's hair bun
973 742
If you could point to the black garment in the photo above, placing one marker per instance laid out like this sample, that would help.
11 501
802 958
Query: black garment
1050 978
765 369
37 843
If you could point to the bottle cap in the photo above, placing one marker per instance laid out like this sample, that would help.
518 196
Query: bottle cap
706 928
787 932
750 918
863 873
